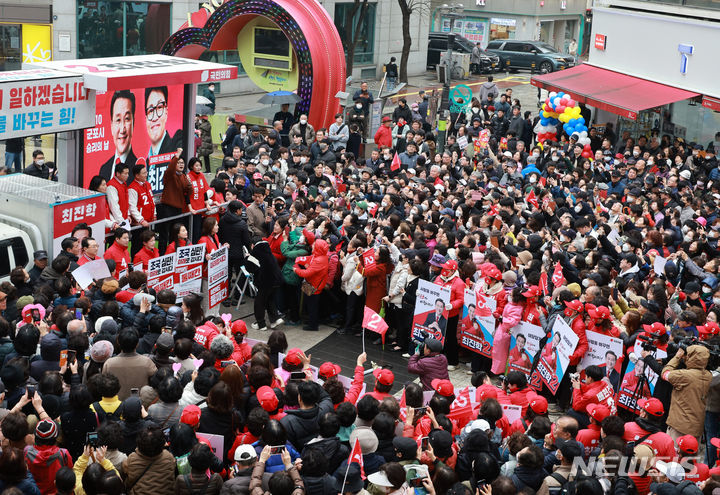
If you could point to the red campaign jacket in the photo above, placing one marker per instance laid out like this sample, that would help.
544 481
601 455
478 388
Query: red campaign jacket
205 334
661 443
120 255
125 295
241 353
522 398
172 247
84 258
589 437
275 241
383 137
212 242
578 326
595 393
145 200
531 314
612 332
316 272
199 187
356 386
144 256
457 293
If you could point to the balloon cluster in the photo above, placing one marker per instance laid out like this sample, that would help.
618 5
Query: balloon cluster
559 107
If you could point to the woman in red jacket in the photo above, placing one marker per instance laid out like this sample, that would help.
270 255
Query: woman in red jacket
212 243
198 194
275 239
316 274
147 252
376 275
178 238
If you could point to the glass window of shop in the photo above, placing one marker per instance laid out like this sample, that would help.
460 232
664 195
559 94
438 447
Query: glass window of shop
10 47
502 29
472 28
113 29
356 22
693 122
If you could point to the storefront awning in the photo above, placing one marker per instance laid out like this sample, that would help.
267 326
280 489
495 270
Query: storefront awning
611 91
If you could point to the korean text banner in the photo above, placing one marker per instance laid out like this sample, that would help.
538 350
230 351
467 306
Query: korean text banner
524 346
139 126
555 356
430 315
476 331
44 106
67 215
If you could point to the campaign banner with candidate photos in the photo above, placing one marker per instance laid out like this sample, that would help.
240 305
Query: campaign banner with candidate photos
476 331
555 356
524 345
134 126
604 351
639 381
430 315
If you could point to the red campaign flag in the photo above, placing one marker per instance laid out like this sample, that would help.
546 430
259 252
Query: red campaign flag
543 181
544 283
481 307
373 210
356 456
395 165
557 277
301 260
494 210
532 199
461 409
375 323
368 258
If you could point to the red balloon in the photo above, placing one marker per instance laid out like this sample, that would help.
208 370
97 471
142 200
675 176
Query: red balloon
586 154
587 147
547 102
560 108
571 103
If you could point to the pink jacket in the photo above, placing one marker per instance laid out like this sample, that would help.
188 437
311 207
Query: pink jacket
511 316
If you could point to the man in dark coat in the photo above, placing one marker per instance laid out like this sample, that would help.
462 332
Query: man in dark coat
267 279
234 230
302 424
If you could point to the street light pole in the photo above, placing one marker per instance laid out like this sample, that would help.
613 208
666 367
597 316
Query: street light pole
454 11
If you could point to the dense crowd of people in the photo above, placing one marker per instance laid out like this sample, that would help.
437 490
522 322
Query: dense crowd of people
120 388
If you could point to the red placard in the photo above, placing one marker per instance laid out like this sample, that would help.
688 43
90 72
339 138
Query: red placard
711 103
218 293
600 42
85 210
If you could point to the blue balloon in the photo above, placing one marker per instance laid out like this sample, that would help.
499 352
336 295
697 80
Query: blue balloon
581 120
581 128
543 121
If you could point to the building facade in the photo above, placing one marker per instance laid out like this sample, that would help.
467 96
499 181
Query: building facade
556 22
673 43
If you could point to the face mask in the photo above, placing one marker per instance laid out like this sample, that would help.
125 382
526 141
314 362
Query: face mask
275 169
636 154
358 106
458 213
626 248
685 229
303 121
468 225
578 208
706 290
607 158
688 238
386 156
536 154
368 230
533 179
475 110
555 158
716 301
358 212
629 294
545 258
265 162
650 162
303 159
383 204
413 212
586 283
243 131
40 162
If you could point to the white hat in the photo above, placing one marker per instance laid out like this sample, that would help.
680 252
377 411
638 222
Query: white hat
379 478
685 174
672 470
245 452
478 424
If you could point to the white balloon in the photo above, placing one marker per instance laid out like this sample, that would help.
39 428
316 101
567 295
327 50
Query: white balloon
552 95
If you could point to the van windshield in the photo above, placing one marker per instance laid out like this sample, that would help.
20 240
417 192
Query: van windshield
545 48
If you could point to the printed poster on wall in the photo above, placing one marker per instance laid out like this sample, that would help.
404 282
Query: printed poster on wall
524 346
604 351
134 126
555 356
475 331
430 315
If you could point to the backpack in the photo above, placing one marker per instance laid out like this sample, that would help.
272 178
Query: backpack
111 417
566 487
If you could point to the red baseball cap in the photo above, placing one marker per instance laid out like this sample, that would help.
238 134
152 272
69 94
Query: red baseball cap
539 404
267 398
532 291
238 326
191 415
329 370
575 305
656 327
386 119
710 328
443 387
687 444
715 471
450 265
652 406
294 356
715 441
384 376
600 313
257 176
487 392
492 272
598 411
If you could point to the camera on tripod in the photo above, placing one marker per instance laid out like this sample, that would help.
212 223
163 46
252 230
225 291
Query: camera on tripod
646 341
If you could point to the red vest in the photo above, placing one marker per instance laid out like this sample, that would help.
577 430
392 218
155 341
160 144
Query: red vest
145 201
199 187
122 190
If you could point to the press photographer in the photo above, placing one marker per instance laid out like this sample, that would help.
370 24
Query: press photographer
429 363
690 389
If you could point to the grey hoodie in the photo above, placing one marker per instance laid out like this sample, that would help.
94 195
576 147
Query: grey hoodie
488 88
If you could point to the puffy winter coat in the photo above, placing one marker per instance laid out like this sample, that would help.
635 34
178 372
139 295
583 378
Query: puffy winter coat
690 388
291 250
316 272
206 147
429 367
578 326
352 279
398 281
457 293
511 316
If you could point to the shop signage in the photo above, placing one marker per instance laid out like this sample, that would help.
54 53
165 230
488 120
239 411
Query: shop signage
685 50
600 42
711 103
503 22
480 3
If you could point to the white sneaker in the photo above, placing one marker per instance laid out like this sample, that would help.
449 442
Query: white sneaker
277 323
406 355
255 326
451 367
469 372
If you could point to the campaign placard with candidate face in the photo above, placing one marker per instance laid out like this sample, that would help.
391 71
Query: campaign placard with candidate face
555 356
524 346
476 328
603 351
430 315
